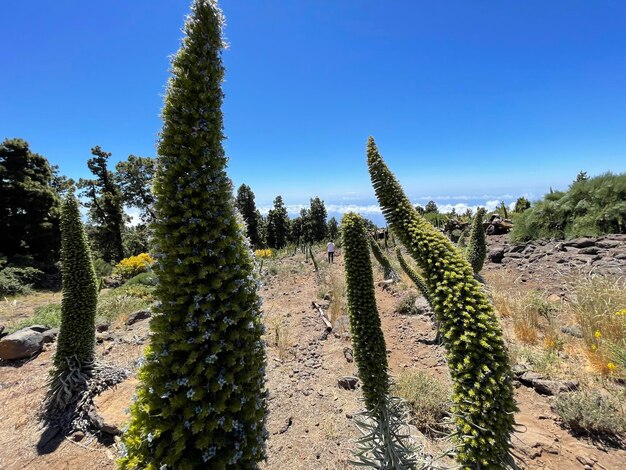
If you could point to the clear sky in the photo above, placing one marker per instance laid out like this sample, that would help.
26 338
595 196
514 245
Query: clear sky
469 101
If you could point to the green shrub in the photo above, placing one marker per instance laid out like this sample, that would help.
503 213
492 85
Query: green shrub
144 279
591 413
102 268
48 315
18 280
201 402
136 290
590 207
483 404
428 398
73 361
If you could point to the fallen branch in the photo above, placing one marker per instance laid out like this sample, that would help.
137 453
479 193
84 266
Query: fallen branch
329 326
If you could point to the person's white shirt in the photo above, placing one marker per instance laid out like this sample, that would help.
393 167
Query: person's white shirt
330 248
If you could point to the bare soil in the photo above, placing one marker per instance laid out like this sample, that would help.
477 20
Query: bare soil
311 420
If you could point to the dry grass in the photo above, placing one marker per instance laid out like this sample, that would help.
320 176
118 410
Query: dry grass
336 285
594 302
428 399
278 334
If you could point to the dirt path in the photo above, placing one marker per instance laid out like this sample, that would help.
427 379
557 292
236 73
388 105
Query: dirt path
311 420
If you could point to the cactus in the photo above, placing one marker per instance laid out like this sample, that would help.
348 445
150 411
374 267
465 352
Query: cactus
477 243
415 277
202 401
388 272
382 446
74 358
483 403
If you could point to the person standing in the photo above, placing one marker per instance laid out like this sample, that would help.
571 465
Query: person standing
330 249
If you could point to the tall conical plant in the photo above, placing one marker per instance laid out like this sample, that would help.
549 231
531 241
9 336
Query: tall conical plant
368 341
415 277
74 358
382 446
388 271
479 366
201 401
477 243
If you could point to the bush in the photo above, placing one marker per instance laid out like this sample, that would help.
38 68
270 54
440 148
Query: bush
591 413
18 280
265 253
48 315
103 269
143 279
428 398
115 308
130 267
589 208
406 305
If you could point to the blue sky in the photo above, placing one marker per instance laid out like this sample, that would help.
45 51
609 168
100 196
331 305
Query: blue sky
469 101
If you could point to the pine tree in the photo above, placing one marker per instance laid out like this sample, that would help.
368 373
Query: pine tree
477 358
73 361
333 229
29 204
317 220
105 203
201 402
277 224
245 203
477 242
134 177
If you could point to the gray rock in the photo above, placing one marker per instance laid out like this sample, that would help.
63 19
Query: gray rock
50 335
545 386
21 344
554 387
38 328
517 248
580 242
572 330
608 243
422 307
101 327
138 315
496 254
590 250
348 382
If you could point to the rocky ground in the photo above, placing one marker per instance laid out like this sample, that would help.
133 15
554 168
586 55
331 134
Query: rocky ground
312 399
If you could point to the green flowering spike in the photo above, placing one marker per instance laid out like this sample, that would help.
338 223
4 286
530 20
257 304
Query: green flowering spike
477 243
73 361
202 398
482 387
388 272
368 341
414 276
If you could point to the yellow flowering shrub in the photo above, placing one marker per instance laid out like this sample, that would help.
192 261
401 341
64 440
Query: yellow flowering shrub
133 265
265 253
